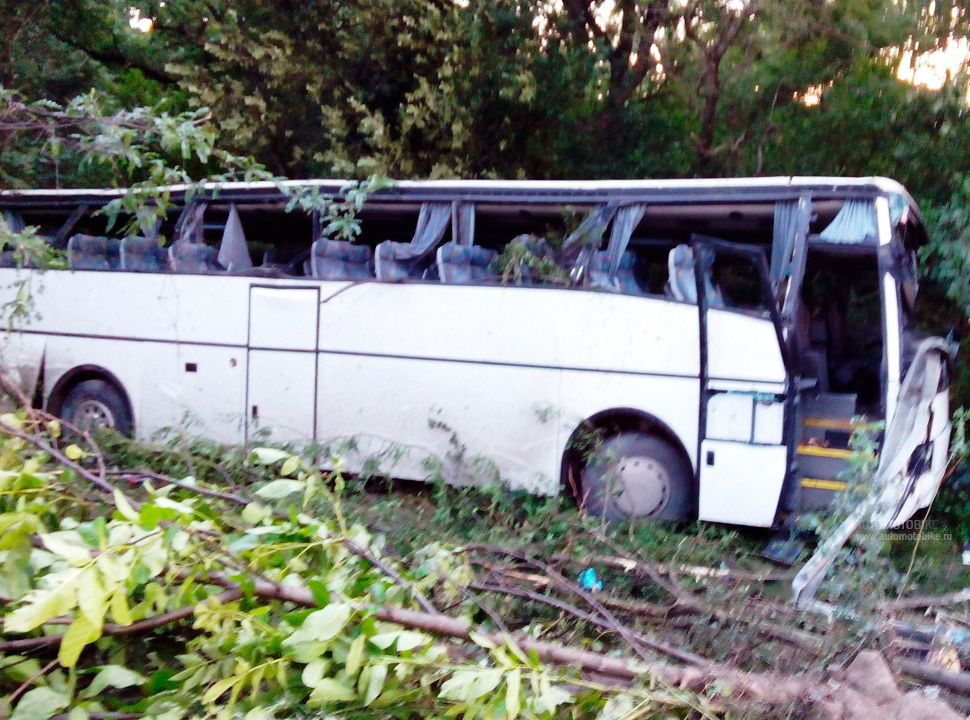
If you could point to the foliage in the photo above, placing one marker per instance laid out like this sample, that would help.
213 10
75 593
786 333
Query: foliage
525 88
177 599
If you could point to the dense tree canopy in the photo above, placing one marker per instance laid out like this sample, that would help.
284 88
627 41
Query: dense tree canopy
627 88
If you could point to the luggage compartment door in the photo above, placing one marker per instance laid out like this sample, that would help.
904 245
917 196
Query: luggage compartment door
281 387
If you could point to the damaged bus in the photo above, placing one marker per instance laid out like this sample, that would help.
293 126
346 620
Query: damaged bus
672 349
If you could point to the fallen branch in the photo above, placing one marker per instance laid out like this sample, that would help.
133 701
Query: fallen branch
958 682
925 601
114 629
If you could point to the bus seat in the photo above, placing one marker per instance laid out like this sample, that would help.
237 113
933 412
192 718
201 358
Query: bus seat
113 253
194 258
388 266
88 252
680 268
142 254
464 264
624 281
340 260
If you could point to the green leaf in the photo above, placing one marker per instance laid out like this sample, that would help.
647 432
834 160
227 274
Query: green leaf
291 465
73 452
469 685
43 605
314 671
355 655
215 691
115 676
406 640
375 683
513 702
67 545
328 690
269 456
481 640
81 633
280 489
322 625
91 596
119 607
255 513
40 704
124 507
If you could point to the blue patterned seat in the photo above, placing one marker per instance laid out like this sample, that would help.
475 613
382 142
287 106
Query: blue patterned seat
625 281
193 258
90 252
388 266
463 264
142 254
340 260
681 282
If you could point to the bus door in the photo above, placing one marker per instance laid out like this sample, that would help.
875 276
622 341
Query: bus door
281 387
747 405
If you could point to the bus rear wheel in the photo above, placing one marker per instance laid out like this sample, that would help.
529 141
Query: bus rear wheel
94 405
635 475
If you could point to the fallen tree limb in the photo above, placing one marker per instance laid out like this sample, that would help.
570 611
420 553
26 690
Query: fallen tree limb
925 601
958 682
652 643
113 629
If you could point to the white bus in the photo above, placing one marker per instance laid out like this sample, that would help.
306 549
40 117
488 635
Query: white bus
674 349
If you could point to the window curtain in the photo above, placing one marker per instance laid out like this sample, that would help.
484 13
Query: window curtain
466 224
588 236
432 223
189 227
14 221
789 249
627 218
854 225
233 252
782 242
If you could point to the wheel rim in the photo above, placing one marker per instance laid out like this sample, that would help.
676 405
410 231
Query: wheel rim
641 487
94 415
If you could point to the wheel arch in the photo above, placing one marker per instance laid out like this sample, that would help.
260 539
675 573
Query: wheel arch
76 375
608 423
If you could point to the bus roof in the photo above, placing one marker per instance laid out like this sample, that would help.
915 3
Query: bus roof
539 191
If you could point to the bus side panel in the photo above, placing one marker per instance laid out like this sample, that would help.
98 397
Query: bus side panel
539 327
209 309
21 356
441 367
474 423
197 388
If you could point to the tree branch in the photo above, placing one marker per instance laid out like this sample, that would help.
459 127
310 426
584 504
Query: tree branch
113 629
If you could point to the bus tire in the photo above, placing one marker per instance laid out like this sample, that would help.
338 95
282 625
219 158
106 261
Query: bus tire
96 405
634 475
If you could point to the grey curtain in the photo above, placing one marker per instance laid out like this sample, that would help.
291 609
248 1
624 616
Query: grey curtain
466 224
627 218
588 236
233 252
14 221
432 223
855 224
189 227
782 242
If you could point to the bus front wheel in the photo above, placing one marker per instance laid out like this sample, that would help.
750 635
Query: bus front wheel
633 475
93 405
